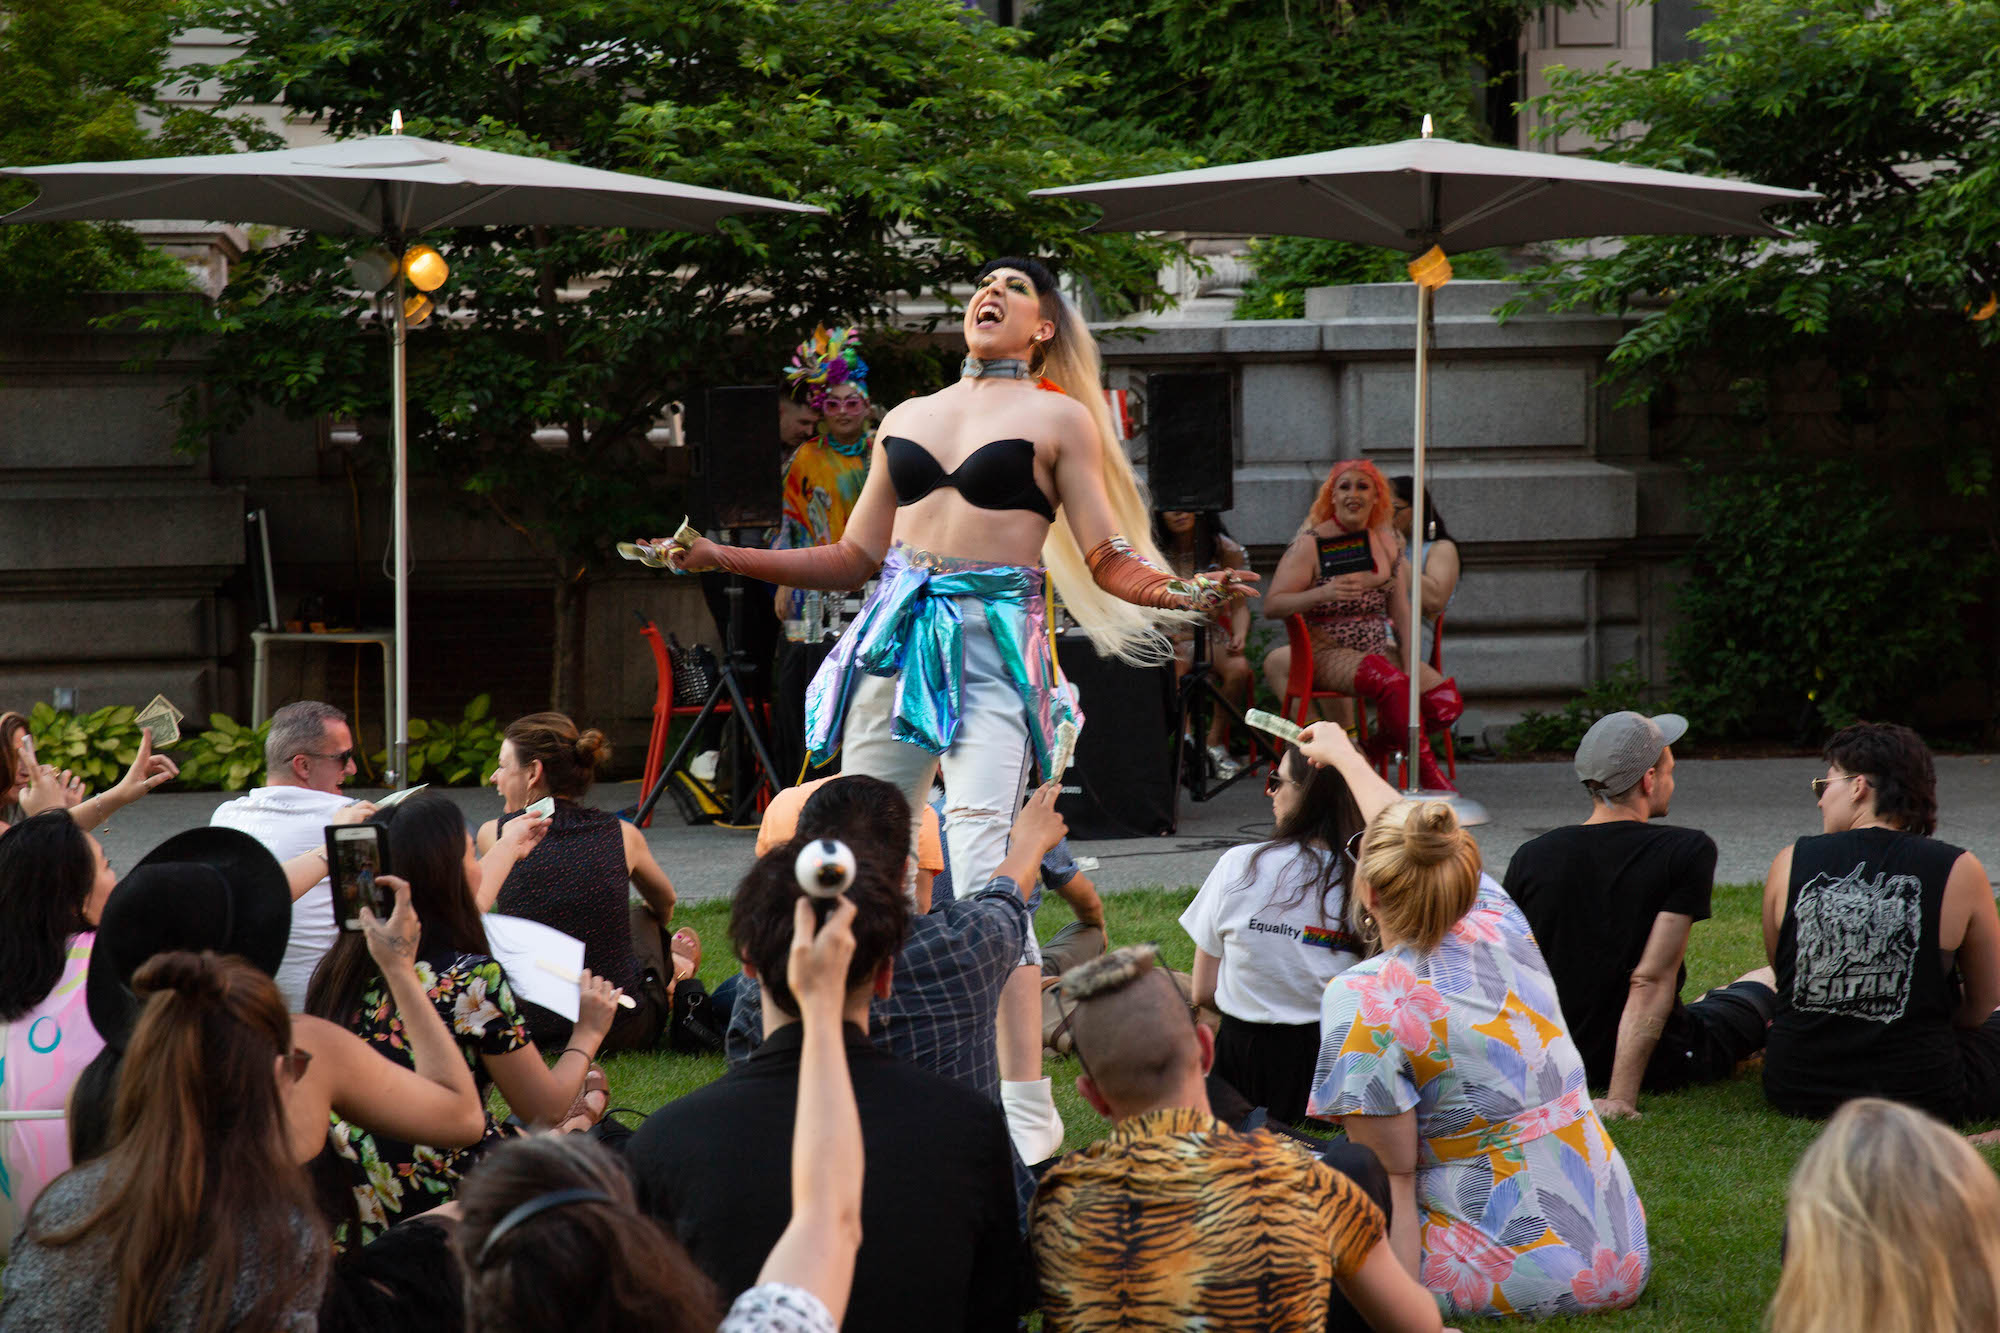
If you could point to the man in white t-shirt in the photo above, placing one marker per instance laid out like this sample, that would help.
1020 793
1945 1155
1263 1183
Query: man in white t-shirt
308 753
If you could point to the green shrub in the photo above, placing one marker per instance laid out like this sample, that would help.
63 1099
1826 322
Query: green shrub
98 747
1624 688
455 754
1810 603
226 757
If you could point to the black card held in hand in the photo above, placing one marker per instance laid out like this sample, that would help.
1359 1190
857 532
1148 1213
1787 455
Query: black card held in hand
1349 553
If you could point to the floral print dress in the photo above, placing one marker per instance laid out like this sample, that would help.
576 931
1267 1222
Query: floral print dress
1526 1205
372 1181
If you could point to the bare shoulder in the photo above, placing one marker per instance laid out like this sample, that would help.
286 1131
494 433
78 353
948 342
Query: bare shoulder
1967 872
1065 410
899 418
326 1041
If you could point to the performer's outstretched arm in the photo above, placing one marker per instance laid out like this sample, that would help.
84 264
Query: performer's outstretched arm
835 567
1115 566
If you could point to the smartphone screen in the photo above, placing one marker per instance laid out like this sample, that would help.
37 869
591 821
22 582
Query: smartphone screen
355 855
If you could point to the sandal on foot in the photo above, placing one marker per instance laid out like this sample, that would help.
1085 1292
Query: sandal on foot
594 1083
686 949
592 1102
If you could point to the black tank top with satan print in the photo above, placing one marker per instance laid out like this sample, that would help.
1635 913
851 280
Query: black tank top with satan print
1865 993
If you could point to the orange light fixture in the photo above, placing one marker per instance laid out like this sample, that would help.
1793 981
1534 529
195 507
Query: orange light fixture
417 309
425 268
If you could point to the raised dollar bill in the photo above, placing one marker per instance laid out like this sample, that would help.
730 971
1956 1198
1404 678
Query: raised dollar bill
685 535
1066 736
383 803
163 718
1275 725
544 808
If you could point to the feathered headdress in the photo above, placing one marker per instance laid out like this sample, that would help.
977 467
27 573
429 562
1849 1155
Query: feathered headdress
826 360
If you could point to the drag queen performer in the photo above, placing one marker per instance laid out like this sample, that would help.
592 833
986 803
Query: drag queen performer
949 661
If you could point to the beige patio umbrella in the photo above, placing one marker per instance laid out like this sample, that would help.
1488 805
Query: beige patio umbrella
1427 194
394 187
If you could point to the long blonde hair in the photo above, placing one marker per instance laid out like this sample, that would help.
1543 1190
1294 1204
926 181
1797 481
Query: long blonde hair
1423 870
1893 1226
1132 633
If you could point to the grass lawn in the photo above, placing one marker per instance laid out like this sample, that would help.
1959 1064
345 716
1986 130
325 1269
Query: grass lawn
1711 1164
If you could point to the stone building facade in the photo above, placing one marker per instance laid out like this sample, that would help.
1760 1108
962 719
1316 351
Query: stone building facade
126 569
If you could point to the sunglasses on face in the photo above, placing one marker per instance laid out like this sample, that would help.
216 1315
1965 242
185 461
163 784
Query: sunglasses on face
1353 848
1275 781
296 1061
846 409
1819 785
341 756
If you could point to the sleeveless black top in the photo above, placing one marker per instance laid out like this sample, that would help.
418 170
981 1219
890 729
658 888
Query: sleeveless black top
1865 994
575 880
999 475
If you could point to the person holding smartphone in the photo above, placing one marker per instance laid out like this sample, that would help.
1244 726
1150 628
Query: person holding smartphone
382 1178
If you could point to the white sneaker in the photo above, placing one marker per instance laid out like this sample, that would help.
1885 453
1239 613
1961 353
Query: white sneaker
1221 764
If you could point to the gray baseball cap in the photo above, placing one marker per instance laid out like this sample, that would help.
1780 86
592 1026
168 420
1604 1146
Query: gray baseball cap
1620 747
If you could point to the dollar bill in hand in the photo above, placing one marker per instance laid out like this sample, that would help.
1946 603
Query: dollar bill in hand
163 718
1282 728
395 796
646 553
1067 733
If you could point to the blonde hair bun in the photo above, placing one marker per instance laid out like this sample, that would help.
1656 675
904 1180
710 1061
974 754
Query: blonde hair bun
1424 868
1431 833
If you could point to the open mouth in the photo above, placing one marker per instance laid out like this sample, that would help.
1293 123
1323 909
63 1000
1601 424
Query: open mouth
988 313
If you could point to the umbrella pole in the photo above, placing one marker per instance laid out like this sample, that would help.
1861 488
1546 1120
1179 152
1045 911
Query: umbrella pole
399 742
1469 811
1411 655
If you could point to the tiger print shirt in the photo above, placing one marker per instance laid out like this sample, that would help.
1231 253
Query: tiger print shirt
1178 1221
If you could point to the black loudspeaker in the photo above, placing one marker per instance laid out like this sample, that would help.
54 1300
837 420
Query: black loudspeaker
1191 441
1121 784
740 457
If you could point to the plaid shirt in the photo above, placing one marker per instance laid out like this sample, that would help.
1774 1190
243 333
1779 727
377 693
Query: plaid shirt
940 1014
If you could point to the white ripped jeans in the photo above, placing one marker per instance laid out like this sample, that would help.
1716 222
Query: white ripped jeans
985 770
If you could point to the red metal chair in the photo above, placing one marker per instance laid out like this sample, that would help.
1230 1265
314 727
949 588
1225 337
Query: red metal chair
665 710
1300 690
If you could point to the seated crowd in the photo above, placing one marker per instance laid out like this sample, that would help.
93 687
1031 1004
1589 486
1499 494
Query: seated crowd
221 1110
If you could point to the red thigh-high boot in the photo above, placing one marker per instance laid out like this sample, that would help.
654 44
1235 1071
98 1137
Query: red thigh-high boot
1442 704
1377 680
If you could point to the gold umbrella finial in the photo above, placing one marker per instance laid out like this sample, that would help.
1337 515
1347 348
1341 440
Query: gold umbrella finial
1427 124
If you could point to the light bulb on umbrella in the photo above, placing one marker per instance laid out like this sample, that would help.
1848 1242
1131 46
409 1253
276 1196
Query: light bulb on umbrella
425 268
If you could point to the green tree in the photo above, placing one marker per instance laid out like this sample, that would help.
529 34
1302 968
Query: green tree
1239 80
1889 109
79 76
920 128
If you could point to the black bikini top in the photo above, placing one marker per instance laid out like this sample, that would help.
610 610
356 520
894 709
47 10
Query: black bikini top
999 475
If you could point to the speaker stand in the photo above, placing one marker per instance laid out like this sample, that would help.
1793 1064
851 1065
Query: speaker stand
727 682
1198 691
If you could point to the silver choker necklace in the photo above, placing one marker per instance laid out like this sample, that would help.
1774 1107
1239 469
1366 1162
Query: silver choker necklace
1001 368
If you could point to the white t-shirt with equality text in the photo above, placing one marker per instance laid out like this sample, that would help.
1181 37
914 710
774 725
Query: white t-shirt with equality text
1277 954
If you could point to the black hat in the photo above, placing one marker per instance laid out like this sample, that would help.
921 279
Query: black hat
207 888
